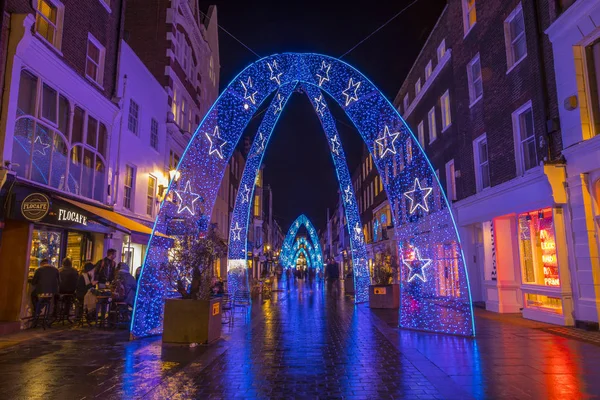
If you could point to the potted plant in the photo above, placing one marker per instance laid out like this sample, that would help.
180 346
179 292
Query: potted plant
385 290
191 315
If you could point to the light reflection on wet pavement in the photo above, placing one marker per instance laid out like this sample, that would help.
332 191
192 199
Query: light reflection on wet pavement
304 344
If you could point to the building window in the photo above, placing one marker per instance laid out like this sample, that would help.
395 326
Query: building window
475 80
48 21
524 133
421 133
150 195
211 71
154 134
450 180
53 149
134 113
445 106
128 187
482 166
537 245
257 212
417 87
441 50
94 63
592 56
406 103
409 154
432 127
428 70
514 35
469 15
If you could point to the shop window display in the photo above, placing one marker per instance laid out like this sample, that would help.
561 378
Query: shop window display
539 264
44 244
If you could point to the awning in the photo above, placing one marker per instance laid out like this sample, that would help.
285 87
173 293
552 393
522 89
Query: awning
119 220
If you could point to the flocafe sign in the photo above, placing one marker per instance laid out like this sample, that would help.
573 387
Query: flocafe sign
71 216
35 206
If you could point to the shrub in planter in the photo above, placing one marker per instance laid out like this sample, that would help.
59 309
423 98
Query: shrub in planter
384 293
194 317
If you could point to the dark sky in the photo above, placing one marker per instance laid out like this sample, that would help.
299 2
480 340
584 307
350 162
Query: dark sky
298 164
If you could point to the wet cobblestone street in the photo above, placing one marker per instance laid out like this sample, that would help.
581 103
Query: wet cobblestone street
304 344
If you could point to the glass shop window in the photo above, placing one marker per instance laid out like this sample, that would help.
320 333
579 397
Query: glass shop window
543 303
44 244
537 243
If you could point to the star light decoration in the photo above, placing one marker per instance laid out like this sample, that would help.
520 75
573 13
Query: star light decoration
43 145
186 199
411 194
275 73
352 86
279 106
246 194
357 232
320 105
386 142
416 266
262 140
249 87
335 145
323 73
216 143
348 194
236 232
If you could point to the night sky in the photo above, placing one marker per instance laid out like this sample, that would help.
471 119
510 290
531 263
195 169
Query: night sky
298 165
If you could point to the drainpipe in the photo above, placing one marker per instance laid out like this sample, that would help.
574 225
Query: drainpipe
115 186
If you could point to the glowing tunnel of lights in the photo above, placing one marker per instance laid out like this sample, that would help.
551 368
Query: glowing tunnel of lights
310 250
288 248
423 229
297 256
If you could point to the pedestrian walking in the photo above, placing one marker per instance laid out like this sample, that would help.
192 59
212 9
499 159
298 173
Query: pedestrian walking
332 274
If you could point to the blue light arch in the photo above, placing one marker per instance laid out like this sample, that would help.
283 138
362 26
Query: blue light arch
428 241
315 259
288 248
306 256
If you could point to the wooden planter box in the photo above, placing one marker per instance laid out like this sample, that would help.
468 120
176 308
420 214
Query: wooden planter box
349 285
384 296
192 321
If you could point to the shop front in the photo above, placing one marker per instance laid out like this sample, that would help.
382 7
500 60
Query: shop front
38 225
514 237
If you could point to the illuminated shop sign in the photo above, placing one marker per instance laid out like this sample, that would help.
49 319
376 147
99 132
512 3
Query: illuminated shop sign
71 216
35 206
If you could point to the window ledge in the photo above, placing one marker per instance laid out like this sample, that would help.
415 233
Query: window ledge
475 101
52 46
515 64
431 141
447 127
469 30
98 85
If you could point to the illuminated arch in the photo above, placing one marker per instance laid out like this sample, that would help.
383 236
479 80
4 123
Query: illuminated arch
297 255
310 250
288 248
425 231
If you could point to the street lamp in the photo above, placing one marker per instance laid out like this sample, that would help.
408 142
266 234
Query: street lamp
174 175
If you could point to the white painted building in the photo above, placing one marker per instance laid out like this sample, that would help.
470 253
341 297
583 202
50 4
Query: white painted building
575 37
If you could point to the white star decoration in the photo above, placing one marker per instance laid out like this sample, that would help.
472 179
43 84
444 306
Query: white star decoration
186 199
216 143
43 145
335 145
275 74
416 266
262 140
246 194
323 73
236 232
348 194
386 142
279 106
320 105
357 232
351 87
249 87
423 202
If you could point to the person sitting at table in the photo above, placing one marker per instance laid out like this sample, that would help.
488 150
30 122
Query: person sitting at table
105 268
45 281
85 282
124 285
68 277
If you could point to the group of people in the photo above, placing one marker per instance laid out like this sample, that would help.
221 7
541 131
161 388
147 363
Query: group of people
105 275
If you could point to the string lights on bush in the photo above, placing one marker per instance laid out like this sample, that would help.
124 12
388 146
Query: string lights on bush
431 299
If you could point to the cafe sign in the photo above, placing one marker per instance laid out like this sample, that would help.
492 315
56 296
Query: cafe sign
71 216
35 206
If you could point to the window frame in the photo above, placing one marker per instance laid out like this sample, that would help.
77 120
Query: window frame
479 164
465 10
418 87
432 125
137 117
130 205
99 79
472 99
421 133
150 197
59 25
451 180
154 134
446 114
441 50
406 102
428 70
509 41
519 154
